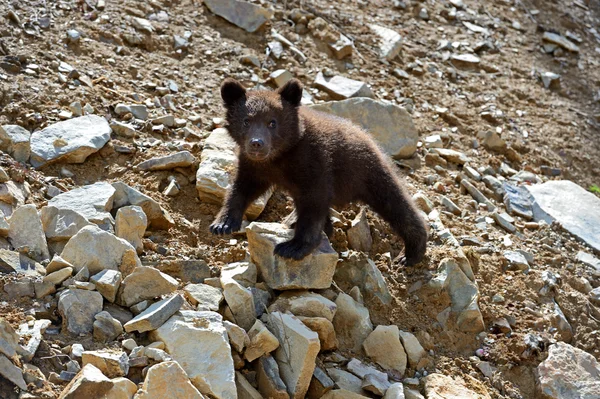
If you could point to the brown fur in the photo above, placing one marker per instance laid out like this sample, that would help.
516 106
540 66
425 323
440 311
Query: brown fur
319 159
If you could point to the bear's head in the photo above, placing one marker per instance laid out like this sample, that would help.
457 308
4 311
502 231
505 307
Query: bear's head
265 124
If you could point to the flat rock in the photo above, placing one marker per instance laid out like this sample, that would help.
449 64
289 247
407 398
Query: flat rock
107 283
25 230
98 250
145 283
88 383
78 308
216 172
304 303
240 301
341 88
352 323
588 260
62 224
123 388
376 385
187 270
244 273
238 338
70 141
15 262
320 384
14 140
396 391
9 339
182 159
110 363
204 296
94 202
106 327
343 394
313 272
296 354
18 289
270 384
58 276
12 373
346 380
247 16
438 386
158 218
465 61
198 342
130 225
413 348
516 260
383 346
553 201
261 342
390 41
560 41
137 110
168 380
155 315
518 201
391 126
245 390
355 269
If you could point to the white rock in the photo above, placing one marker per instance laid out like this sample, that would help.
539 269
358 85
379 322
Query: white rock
25 230
261 341
395 391
204 296
442 386
155 315
359 234
78 308
303 303
106 327
352 323
238 338
137 110
168 380
88 383
412 347
245 390
130 225
182 159
145 283
107 283
247 16
61 224
157 217
390 41
94 202
240 301
341 88
12 373
355 269
58 276
383 347
123 388
70 141
110 363
14 140
9 339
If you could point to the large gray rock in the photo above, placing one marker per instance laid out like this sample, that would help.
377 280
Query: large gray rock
71 141
25 230
518 201
78 308
240 301
352 323
9 339
182 159
88 383
112 363
341 88
217 170
14 140
391 126
107 283
355 269
167 380
97 250
198 342
569 373
304 303
94 202
204 296
383 346
106 327
15 262
62 224
156 315
12 373
247 16
554 200
130 225
157 217
313 272
145 283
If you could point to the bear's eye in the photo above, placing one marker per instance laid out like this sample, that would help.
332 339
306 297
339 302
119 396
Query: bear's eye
246 122
272 124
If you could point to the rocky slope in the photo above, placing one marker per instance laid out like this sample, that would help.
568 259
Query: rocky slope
115 159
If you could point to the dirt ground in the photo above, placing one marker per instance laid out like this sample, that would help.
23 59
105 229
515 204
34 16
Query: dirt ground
555 128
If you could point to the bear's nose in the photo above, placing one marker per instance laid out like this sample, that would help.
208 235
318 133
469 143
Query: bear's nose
256 143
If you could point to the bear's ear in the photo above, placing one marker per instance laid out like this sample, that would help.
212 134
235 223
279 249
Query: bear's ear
232 91
291 92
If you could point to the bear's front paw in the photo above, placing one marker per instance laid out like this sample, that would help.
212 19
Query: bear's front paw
293 249
225 225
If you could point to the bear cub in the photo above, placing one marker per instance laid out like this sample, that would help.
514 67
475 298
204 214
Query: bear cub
319 159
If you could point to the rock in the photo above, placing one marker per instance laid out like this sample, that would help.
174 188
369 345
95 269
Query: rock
240 301
451 155
553 201
62 224
341 88
142 24
137 110
77 309
450 205
361 370
270 384
247 16
155 315
182 159
383 347
123 388
560 322
438 386
412 347
341 48
98 250
130 225
111 364
107 283
106 327
320 384
505 221
491 140
70 141
214 176
18 289
594 296
88 383
167 380
204 296
238 338
423 203
94 202
145 283
158 218
391 126
244 273
123 129
262 342
456 278
376 385
390 41
14 262
550 80
560 41
12 373
477 195
396 391
516 260
465 61
280 77
172 189
345 380
433 141
296 354
191 270
58 276
342 394
14 140
303 303
9 339
42 289
359 234
198 342
324 328
357 270
285 274
518 201
352 323
245 390
25 229
589 260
